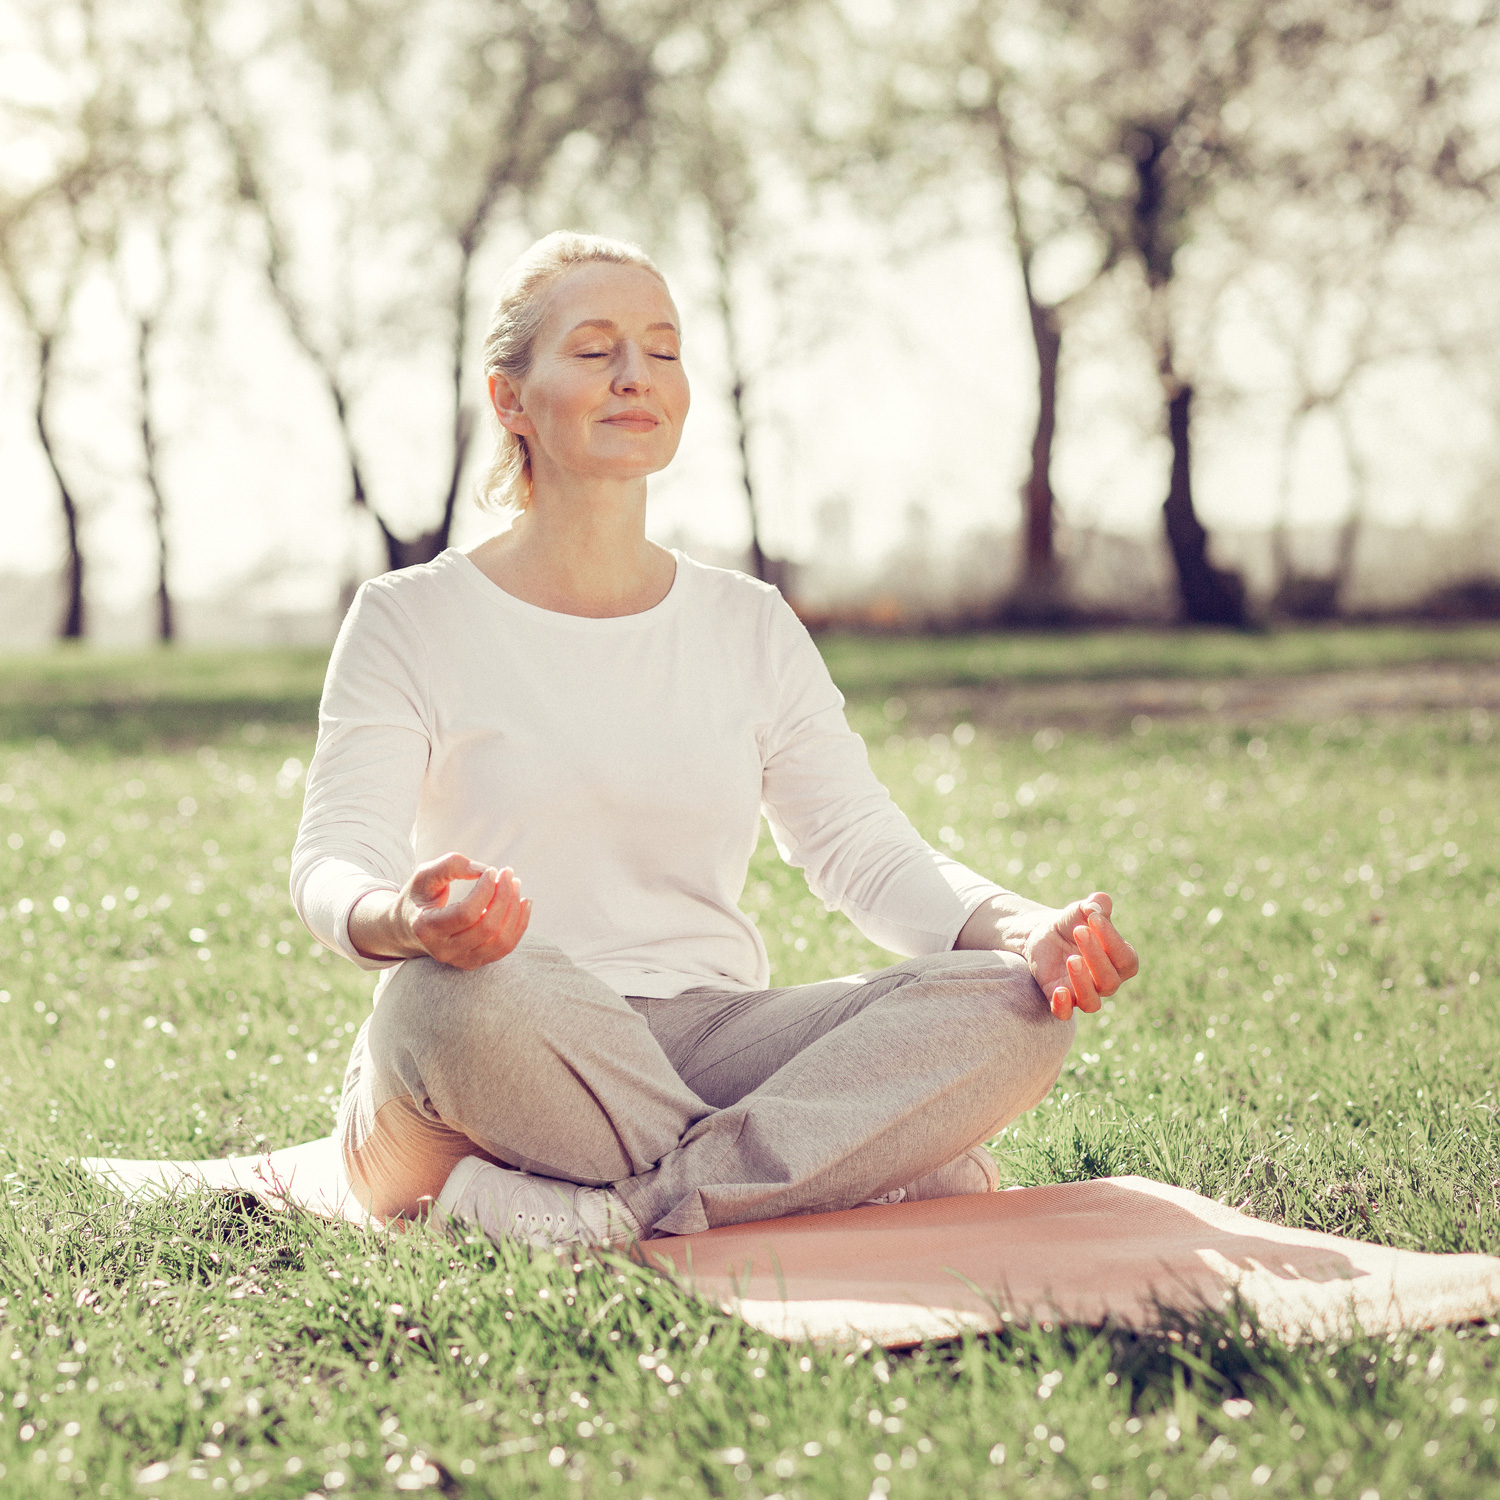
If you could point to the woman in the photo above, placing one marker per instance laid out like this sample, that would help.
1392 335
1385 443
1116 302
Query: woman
568 703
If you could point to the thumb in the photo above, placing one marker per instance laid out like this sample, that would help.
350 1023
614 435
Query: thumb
430 882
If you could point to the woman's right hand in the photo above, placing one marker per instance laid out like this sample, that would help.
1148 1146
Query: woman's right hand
483 926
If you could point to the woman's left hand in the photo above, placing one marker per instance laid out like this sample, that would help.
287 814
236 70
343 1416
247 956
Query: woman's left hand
1077 956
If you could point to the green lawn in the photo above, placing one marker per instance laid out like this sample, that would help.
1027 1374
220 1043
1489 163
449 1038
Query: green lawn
872 663
134 698
1314 1035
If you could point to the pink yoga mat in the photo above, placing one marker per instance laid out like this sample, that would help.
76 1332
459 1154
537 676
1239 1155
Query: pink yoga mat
1120 1249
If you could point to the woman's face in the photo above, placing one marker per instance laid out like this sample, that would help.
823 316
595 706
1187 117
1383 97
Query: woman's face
606 394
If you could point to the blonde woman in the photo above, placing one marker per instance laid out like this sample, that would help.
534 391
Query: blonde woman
572 711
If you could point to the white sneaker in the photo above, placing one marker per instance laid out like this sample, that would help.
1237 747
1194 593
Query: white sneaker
973 1172
540 1211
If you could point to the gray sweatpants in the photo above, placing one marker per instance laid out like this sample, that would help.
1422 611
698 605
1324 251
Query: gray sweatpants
713 1107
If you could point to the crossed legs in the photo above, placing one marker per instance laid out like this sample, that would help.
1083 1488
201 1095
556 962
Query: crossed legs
713 1107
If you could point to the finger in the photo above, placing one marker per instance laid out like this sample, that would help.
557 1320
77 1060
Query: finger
1101 970
1061 1003
434 877
477 955
480 898
486 929
1085 996
505 896
516 921
459 916
1125 959
495 936
1102 901
507 933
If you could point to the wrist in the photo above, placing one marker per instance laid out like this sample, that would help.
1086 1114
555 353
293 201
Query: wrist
378 927
1005 923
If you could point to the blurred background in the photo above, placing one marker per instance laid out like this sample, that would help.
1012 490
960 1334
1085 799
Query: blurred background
998 314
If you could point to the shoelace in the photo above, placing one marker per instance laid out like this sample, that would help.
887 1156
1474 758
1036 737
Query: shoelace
541 1217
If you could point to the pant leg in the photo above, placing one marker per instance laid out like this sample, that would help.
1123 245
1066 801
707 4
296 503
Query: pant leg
530 1061
830 1094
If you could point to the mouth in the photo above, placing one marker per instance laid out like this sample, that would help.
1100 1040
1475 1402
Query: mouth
635 420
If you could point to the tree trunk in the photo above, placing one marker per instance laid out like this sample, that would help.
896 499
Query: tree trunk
1209 595
73 621
1035 598
404 552
1041 555
408 552
760 565
166 630
463 413
1283 565
400 552
742 435
1359 487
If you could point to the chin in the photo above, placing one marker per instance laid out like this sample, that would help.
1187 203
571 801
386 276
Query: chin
637 465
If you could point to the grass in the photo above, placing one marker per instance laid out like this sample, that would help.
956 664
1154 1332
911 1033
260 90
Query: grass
865 664
130 699
134 698
1315 1036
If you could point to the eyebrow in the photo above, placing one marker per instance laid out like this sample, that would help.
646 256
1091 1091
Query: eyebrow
608 323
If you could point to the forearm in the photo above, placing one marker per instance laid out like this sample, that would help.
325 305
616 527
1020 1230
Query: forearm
1002 923
377 930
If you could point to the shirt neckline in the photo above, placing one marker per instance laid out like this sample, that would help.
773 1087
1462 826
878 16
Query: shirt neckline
558 619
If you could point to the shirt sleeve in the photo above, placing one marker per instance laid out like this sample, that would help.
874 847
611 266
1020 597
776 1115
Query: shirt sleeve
365 779
834 820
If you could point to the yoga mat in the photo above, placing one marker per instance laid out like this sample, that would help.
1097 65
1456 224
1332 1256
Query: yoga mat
310 1176
1120 1249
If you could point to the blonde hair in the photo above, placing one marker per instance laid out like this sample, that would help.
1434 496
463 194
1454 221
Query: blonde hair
510 342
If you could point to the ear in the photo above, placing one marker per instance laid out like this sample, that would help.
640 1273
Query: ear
506 400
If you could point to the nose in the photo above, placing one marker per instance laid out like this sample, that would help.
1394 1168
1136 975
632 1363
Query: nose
633 370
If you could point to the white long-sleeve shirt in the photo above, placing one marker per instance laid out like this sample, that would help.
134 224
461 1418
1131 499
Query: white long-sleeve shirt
620 766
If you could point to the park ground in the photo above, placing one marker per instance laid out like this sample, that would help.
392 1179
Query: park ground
1301 834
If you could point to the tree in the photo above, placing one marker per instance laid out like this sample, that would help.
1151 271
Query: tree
49 230
705 160
740 175
1198 123
1398 174
43 254
147 209
1016 140
1157 124
435 122
1081 115
146 293
114 155
701 164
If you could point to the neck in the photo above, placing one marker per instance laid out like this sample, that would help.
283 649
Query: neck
580 548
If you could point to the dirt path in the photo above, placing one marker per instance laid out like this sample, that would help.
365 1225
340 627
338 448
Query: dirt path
1247 701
